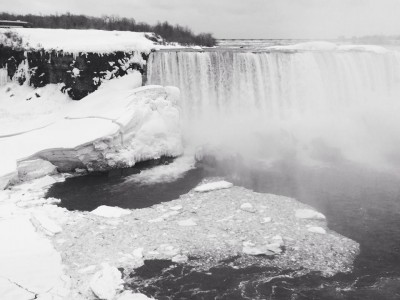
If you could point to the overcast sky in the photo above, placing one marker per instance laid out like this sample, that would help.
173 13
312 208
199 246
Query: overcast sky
241 18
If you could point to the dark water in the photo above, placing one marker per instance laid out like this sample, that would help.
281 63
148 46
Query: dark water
113 188
361 204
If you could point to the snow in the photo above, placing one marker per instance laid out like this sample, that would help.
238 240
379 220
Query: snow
11 291
212 186
76 72
76 40
22 248
146 119
17 114
110 212
106 282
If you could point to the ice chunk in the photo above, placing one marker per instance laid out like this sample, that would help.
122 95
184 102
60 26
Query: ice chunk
110 212
212 186
106 282
49 226
317 229
248 207
36 168
309 214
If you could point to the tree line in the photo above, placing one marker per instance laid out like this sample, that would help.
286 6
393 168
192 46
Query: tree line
170 33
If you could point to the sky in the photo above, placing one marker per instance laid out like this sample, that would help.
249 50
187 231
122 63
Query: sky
308 19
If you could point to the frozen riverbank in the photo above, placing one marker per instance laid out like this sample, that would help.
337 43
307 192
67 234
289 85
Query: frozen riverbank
116 126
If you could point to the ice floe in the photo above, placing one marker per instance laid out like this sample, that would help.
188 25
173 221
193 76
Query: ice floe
309 214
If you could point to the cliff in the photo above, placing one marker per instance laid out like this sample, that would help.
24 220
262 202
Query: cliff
78 59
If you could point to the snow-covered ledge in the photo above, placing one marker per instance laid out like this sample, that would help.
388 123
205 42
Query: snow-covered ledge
116 126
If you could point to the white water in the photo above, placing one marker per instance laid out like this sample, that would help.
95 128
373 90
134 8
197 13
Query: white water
318 104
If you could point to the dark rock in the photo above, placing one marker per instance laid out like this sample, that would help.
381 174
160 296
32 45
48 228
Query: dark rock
59 67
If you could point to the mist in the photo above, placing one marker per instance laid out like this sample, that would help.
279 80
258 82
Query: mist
320 108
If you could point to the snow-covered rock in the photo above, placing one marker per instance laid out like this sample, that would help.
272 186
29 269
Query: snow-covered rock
110 211
213 186
107 282
76 40
309 214
36 168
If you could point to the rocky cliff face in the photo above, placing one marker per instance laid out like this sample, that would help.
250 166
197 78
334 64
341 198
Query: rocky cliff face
80 74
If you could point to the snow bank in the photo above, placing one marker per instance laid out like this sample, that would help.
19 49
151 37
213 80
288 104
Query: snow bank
23 108
75 40
116 126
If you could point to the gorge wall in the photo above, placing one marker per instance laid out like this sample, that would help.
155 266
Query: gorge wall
80 74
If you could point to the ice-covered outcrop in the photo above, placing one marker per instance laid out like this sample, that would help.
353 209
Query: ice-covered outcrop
76 40
81 60
115 126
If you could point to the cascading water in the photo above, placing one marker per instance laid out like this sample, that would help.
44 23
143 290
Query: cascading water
266 103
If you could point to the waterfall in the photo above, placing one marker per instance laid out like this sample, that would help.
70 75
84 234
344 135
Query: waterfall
338 97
